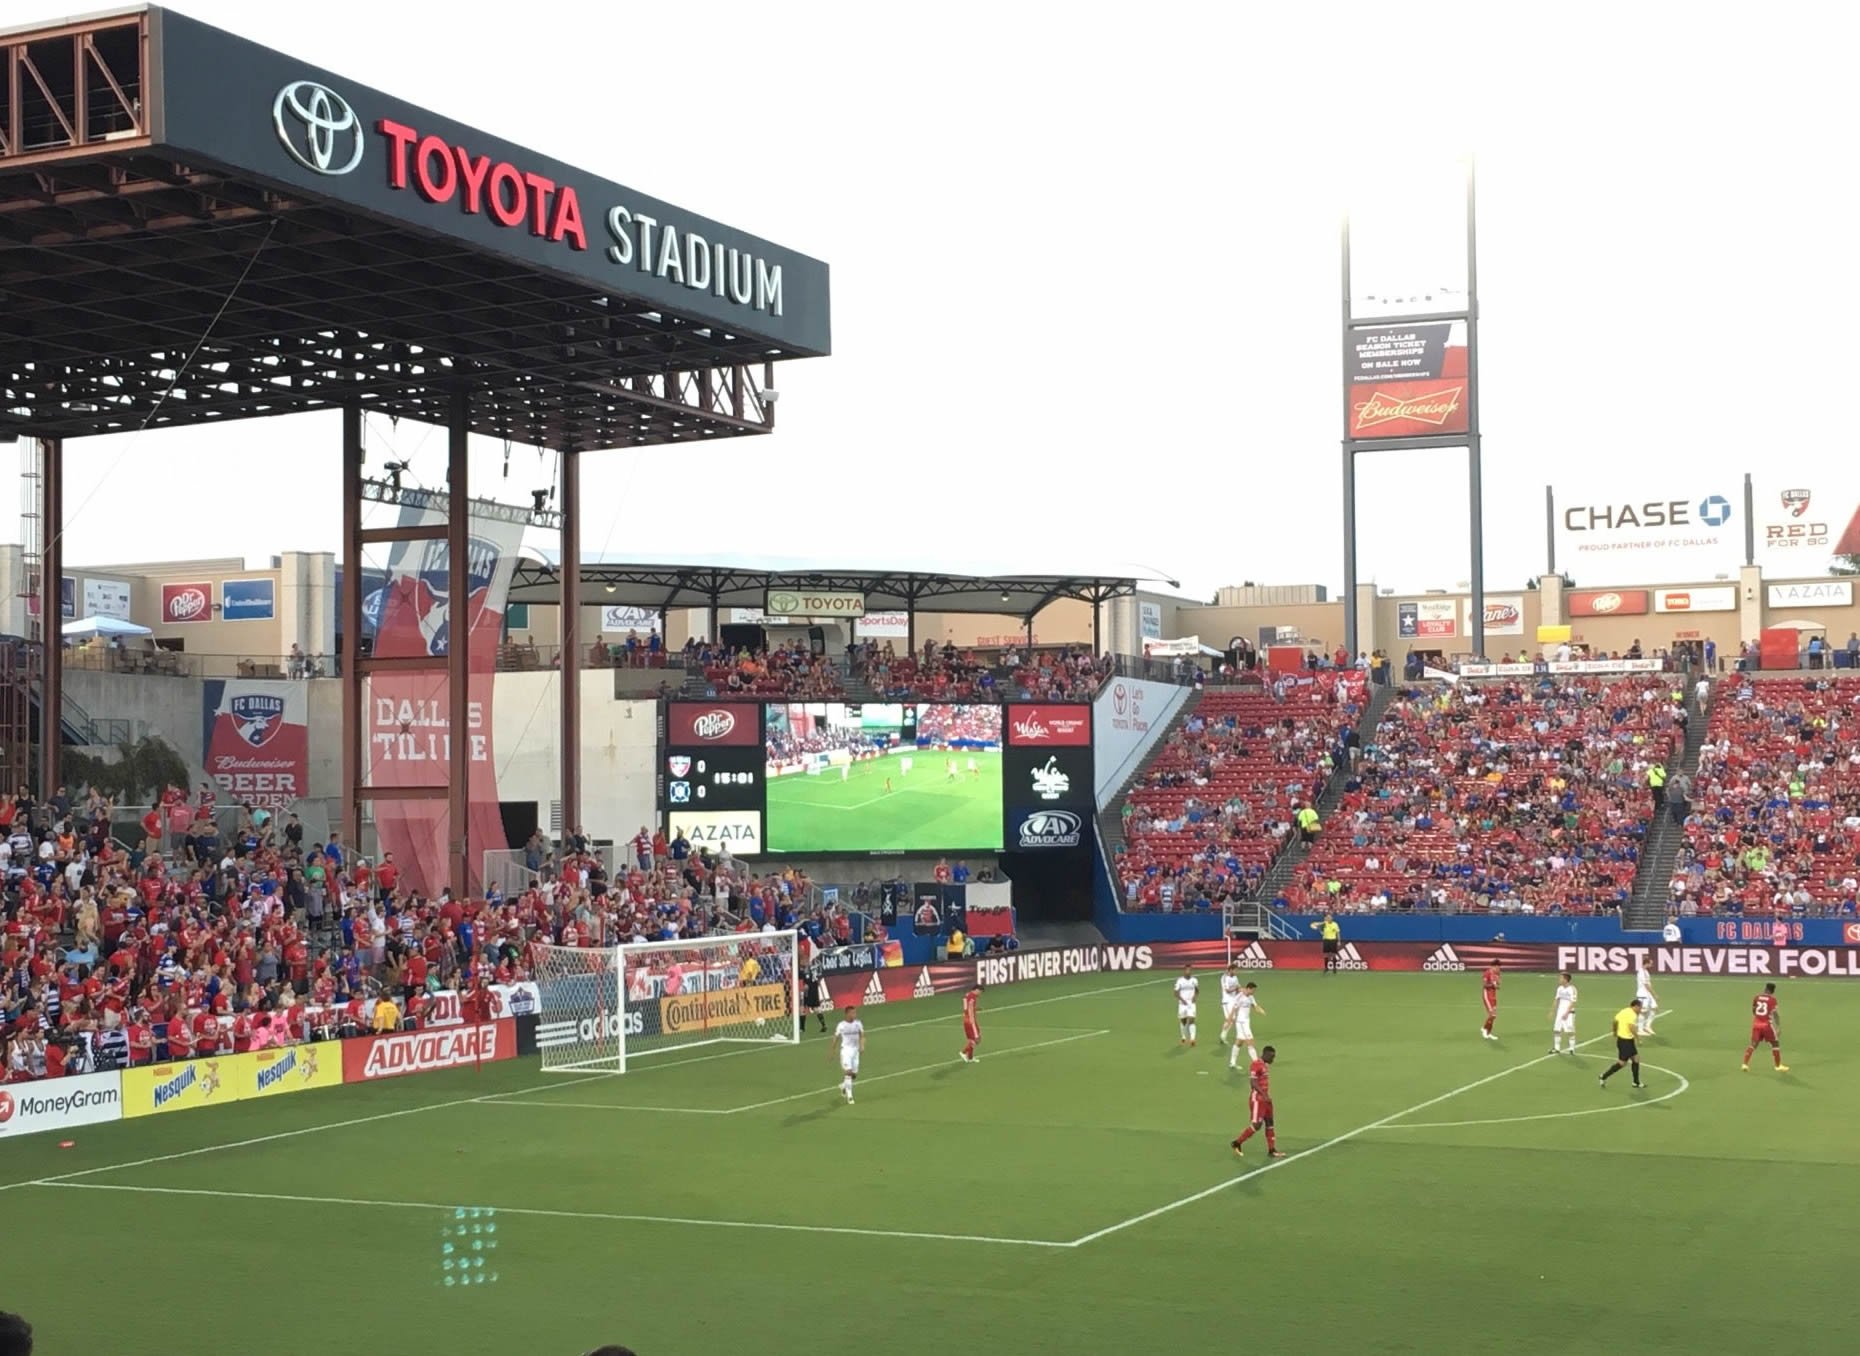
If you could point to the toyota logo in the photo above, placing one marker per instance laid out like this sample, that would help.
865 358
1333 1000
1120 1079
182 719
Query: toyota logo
318 127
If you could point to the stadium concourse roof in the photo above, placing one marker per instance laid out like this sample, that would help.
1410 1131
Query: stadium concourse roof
195 228
735 581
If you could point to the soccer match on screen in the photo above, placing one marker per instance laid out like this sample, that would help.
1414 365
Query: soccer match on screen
765 683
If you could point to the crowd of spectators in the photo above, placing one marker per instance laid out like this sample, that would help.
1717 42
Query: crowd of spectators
1219 801
788 670
947 674
1772 824
1527 796
237 933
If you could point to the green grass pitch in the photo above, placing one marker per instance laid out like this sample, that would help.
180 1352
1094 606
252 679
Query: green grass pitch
923 812
1073 1191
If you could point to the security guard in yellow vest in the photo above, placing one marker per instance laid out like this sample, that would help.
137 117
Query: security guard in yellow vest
1656 782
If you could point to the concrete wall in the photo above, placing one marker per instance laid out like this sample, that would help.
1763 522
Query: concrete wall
619 750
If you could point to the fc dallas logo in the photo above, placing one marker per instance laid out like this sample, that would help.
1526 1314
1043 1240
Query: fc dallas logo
1432 407
257 718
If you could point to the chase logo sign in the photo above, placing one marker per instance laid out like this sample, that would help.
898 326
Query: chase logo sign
257 717
1714 510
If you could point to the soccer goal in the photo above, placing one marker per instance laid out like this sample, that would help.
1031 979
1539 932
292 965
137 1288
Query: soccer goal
604 1007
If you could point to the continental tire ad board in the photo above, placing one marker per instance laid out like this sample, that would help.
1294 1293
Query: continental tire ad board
1408 381
723 1007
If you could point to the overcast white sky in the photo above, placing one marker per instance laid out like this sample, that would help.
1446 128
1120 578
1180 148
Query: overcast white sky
1085 269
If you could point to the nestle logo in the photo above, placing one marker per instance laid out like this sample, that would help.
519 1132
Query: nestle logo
713 725
187 604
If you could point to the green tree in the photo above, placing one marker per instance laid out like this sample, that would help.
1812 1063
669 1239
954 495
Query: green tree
1848 564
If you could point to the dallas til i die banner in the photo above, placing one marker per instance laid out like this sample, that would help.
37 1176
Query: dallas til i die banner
410 720
258 740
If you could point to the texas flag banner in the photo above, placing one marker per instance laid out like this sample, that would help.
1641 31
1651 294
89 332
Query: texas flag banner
409 722
257 740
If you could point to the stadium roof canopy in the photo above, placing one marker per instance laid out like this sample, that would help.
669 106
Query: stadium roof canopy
195 228
725 581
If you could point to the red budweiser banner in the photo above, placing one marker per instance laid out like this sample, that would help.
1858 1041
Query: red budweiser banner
1408 381
410 721
411 1052
696 724
1052 725
258 741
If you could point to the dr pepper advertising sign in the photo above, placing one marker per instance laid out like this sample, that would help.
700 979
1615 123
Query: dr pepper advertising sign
1408 381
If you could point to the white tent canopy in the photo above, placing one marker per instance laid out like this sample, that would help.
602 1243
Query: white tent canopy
86 627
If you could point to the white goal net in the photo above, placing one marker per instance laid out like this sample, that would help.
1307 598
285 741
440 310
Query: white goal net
603 1007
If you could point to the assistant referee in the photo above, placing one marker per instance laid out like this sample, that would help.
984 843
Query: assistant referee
1627 1026
1330 932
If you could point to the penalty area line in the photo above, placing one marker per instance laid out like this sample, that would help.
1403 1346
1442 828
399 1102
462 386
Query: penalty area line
597 1215
1274 1164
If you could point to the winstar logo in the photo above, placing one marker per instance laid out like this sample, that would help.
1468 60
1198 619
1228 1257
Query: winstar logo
1431 407
441 172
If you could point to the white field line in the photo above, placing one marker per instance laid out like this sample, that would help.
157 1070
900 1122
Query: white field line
553 1214
797 1096
1348 1135
467 1101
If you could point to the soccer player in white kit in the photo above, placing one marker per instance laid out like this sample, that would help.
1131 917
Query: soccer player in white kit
1187 989
1244 1007
1230 994
1563 1015
851 1035
1643 990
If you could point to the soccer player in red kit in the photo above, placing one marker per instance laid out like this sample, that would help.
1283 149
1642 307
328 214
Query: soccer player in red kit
1491 1000
971 1031
1259 1106
1763 1028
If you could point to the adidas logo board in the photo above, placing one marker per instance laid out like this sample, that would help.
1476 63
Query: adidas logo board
1254 957
1444 958
874 992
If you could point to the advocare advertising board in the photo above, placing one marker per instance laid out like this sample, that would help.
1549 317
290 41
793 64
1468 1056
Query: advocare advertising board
1047 782
1408 381
232 102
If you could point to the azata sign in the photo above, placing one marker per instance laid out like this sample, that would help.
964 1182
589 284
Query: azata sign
1822 593
800 603
183 604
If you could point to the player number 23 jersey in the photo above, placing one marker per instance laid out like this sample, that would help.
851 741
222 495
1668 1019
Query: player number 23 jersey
1763 1006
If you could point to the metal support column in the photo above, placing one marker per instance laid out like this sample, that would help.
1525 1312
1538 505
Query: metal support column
570 752
1550 529
52 613
1349 467
458 633
1475 468
1097 603
354 761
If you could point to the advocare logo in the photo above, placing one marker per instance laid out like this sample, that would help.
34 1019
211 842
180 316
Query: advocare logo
713 724
318 127
1050 828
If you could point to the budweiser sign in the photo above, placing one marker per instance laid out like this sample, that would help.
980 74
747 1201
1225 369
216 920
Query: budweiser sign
412 1052
1436 407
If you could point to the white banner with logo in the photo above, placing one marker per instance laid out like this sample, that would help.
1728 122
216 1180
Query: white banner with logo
1503 616
1149 620
1181 645
1127 718
106 598
1803 522
1650 529
1572 666
813 603
620 621
1818 593
1718 598
883 626
749 616
738 830
60 1103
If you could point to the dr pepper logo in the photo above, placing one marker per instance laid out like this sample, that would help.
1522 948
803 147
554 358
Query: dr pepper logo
186 603
689 723
713 725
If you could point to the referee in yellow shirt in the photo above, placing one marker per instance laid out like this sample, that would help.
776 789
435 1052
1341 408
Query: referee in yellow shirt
1627 1025
1329 932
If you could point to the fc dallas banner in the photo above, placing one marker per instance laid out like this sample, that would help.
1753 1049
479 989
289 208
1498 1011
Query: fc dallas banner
1408 381
410 721
257 740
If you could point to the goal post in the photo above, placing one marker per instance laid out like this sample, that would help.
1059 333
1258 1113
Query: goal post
604 1007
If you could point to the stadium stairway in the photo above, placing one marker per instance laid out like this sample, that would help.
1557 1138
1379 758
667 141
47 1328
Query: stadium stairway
1111 818
1279 874
1646 907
